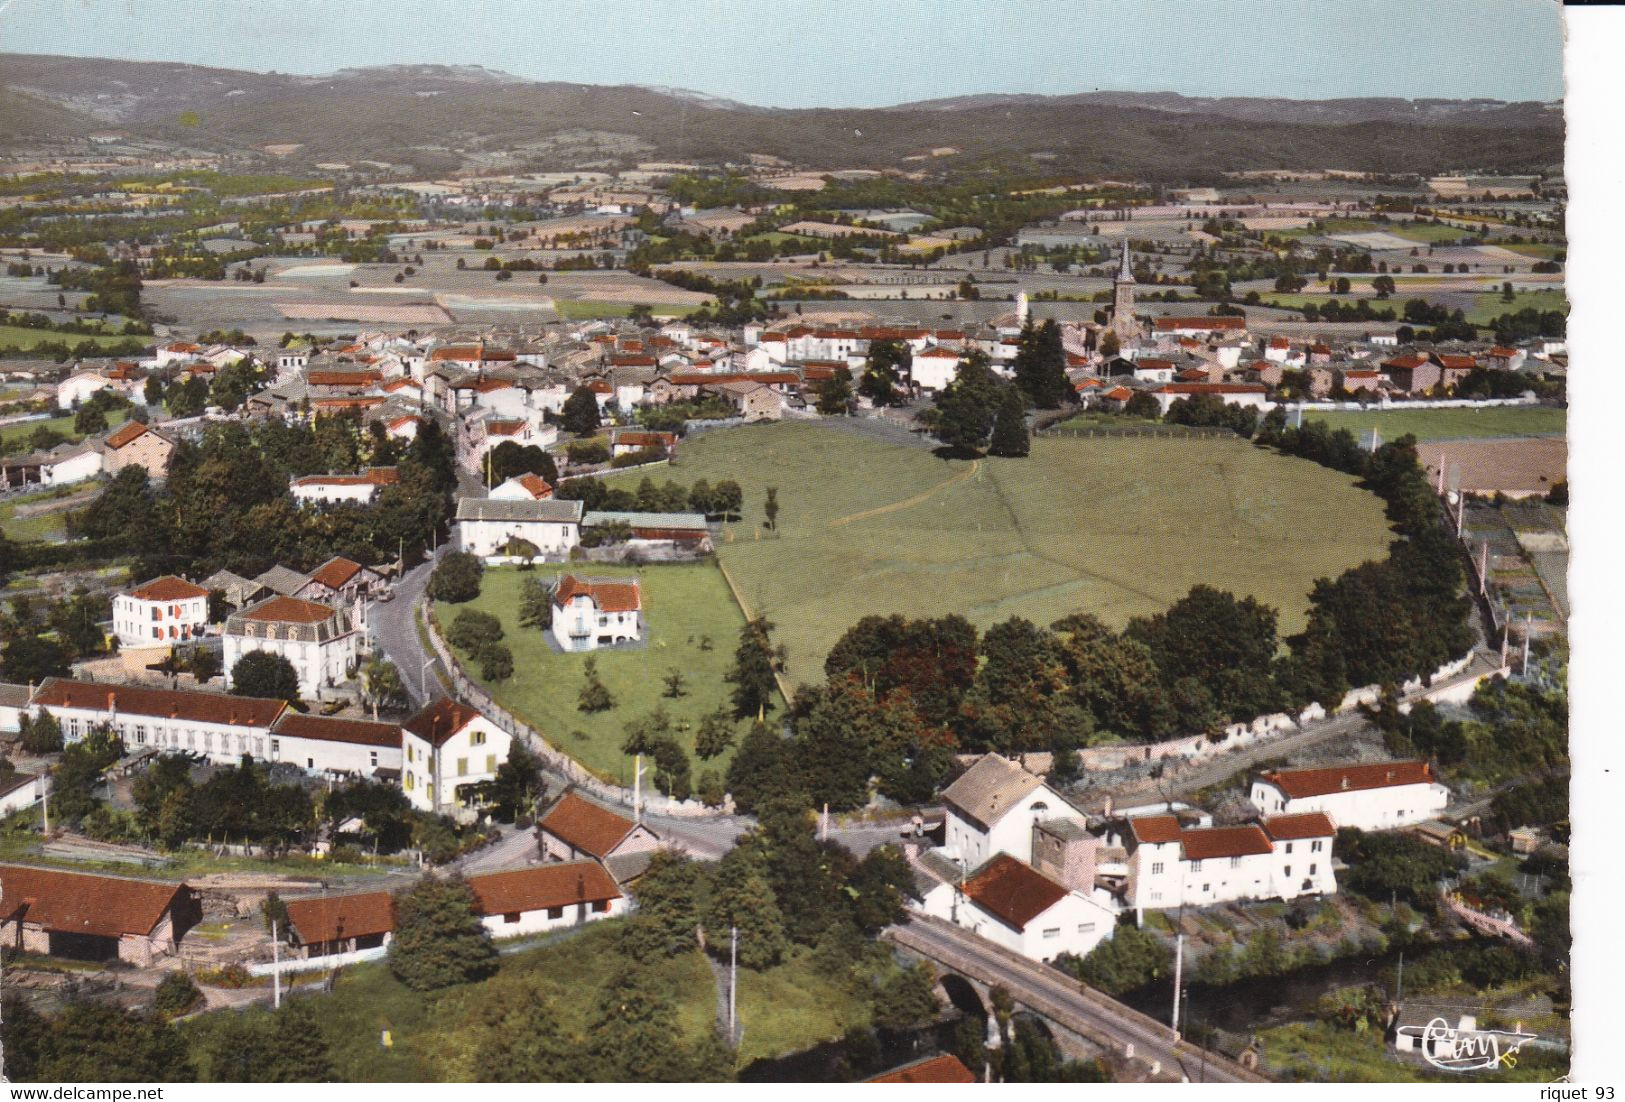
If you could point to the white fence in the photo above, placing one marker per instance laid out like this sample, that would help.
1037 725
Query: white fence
316 964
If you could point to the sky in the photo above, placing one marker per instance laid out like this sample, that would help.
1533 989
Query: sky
854 53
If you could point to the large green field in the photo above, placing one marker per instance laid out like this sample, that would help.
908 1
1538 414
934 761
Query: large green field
21 337
573 309
683 605
1450 424
1489 305
1116 527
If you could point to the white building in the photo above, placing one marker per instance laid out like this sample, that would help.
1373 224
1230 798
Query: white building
1170 865
1255 395
220 727
485 526
321 642
363 488
546 897
522 487
993 809
448 747
163 611
1368 797
935 368
589 613
1012 904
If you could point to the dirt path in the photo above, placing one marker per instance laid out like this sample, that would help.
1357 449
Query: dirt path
908 503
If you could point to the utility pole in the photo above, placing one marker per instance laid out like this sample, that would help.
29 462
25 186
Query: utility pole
276 970
637 788
733 984
1528 623
1179 968
1399 980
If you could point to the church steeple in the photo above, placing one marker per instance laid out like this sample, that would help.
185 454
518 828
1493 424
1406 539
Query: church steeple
1123 323
1125 271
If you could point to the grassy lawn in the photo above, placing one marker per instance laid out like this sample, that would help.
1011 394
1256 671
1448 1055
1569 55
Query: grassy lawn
1117 527
1489 305
38 527
1450 424
790 1007
683 605
573 309
1540 250
434 1035
17 336
10 434
1322 1053
1423 232
775 238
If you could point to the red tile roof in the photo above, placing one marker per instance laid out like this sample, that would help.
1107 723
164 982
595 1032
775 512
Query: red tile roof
290 610
537 485
373 476
1154 830
1205 324
1299 783
327 729
608 596
234 711
585 826
343 378
1209 842
1455 362
1404 363
330 918
442 719
543 886
335 572
1313 824
1012 892
168 588
126 433
85 903
934 1069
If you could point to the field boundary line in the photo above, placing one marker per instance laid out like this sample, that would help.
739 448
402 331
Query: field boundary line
909 503
750 618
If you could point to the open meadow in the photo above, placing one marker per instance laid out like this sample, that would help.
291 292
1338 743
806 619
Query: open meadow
1116 527
1449 424
684 605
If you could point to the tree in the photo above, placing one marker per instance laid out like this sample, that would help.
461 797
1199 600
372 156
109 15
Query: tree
580 412
1226 644
904 999
1009 439
90 420
535 604
1040 366
755 663
883 370
1131 959
519 785
672 898
594 695
42 734
742 897
204 664
510 459
715 735
472 629
175 995
1110 346
675 684
260 673
439 940
770 508
456 579
963 413
95 1042
835 394
760 769
496 662
728 498
30 659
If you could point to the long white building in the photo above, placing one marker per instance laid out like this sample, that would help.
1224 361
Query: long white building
1281 857
1368 797
485 526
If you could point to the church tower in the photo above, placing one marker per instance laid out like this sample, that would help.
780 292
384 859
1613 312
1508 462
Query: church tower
1123 323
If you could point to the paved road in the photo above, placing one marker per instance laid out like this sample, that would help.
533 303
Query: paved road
396 632
1068 1003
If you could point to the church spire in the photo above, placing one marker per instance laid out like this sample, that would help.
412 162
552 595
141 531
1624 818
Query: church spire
1125 272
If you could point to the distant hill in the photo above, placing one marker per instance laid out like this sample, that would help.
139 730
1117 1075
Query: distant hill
438 117
23 116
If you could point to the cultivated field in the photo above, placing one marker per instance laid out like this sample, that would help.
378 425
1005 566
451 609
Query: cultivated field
1117 527
683 605
1450 424
1514 466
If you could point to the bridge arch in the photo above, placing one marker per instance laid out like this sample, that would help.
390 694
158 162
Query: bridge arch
963 994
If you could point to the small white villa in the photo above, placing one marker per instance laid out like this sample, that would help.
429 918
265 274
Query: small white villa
589 613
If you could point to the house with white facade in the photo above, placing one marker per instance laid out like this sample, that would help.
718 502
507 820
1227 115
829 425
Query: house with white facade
523 487
993 807
163 611
575 828
589 613
546 897
485 526
322 643
325 489
1010 903
448 749
335 746
1171 864
935 368
1383 796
